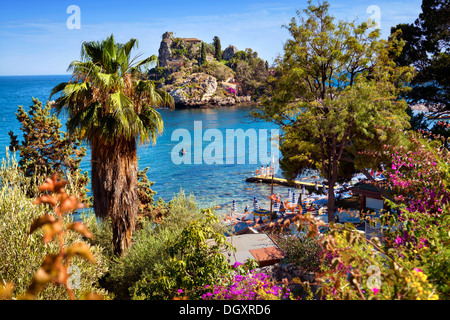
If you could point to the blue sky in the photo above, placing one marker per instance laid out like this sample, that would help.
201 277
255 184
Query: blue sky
35 39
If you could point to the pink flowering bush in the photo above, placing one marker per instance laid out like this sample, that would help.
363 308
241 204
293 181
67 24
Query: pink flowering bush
411 259
419 223
246 286
232 90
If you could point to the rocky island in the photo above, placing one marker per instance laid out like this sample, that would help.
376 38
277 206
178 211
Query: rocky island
200 74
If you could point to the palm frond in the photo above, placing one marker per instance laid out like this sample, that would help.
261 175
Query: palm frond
152 122
58 88
108 100
143 65
85 119
91 51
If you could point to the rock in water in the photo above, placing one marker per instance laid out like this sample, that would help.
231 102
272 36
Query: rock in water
196 89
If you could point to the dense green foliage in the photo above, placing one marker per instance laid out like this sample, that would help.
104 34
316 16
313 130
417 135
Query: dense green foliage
113 108
218 70
334 95
305 253
217 48
427 48
202 54
194 260
21 254
171 255
46 149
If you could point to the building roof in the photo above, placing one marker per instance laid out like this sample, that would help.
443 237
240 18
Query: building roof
369 189
191 39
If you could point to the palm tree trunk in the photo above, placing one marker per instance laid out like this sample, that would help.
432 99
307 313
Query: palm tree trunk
114 186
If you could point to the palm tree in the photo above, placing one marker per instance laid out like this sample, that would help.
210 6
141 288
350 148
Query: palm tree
111 104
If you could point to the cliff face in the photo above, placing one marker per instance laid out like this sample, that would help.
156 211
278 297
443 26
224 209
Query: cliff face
164 49
196 89
229 53
195 84
203 90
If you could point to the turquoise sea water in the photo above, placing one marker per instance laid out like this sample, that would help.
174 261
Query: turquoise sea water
212 184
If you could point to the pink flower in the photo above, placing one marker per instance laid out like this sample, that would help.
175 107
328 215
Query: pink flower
180 291
375 290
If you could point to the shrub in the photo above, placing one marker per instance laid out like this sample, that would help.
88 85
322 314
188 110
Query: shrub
241 285
46 149
148 250
21 253
194 260
148 256
303 252
218 70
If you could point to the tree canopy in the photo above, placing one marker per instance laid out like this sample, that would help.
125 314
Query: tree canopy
108 98
427 48
217 48
112 106
46 149
335 96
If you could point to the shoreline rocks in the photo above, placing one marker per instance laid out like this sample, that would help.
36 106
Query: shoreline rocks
202 90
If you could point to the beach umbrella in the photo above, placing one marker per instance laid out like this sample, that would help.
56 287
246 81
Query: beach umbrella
276 207
255 204
293 197
289 195
303 190
233 207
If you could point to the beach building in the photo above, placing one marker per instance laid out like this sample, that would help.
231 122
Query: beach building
191 40
370 197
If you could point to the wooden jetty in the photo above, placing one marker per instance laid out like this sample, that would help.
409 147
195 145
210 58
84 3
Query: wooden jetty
283 182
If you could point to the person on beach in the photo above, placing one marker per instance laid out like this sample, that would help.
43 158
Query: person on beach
262 171
268 171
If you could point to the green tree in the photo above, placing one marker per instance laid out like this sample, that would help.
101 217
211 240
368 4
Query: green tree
427 48
335 97
46 149
193 259
202 54
113 109
251 74
217 48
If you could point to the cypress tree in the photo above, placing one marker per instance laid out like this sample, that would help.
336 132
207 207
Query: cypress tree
46 149
217 48
203 54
